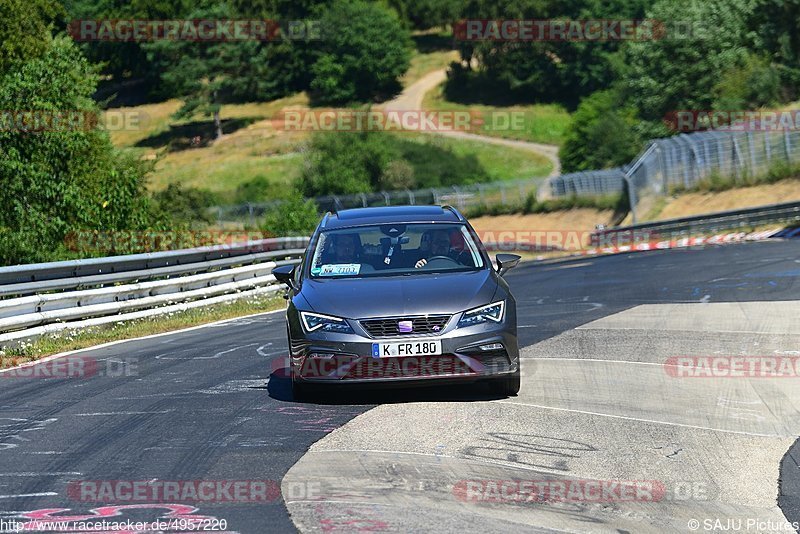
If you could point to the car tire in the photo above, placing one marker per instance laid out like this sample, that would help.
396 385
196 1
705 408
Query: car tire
507 386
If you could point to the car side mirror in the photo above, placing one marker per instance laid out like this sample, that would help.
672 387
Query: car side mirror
506 262
284 274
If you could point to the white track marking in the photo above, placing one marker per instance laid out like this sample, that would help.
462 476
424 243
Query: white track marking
111 414
434 455
24 495
626 418
33 474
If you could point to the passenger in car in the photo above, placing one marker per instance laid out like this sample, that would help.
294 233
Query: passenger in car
346 248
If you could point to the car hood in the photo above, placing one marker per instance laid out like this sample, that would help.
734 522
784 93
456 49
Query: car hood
359 298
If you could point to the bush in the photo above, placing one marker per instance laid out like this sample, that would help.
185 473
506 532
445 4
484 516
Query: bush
364 52
660 76
292 217
602 134
55 182
258 189
345 163
184 207
752 84
363 162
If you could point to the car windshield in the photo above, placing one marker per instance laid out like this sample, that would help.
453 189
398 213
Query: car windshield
394 249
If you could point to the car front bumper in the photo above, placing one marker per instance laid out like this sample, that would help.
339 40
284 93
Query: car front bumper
347 358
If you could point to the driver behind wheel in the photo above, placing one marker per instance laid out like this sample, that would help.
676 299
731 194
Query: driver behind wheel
440 246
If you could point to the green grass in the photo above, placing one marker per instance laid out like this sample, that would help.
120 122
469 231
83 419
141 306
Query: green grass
252 148
618 203
538 123
221 171
222 168
69 341
500 162
423 63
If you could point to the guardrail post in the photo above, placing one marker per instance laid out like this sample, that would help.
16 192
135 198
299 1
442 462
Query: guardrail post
768 149
751 142
459 198
787 145
632 199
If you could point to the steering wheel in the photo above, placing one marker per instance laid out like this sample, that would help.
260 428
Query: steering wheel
434 258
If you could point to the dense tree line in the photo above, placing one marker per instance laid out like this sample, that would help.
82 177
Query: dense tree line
739 54
362 51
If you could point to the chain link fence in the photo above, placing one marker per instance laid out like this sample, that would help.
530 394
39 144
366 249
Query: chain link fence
664 165
683 161
462 197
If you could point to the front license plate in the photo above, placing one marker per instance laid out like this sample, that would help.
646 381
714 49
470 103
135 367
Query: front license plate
407 348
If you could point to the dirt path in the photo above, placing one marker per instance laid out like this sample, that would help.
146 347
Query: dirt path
411 99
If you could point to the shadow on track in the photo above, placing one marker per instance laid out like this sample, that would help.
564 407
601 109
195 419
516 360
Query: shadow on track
280 388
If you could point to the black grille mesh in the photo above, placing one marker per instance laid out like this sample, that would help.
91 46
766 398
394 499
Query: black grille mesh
421 326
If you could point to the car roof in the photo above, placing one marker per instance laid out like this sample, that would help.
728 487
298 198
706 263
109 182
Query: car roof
390 215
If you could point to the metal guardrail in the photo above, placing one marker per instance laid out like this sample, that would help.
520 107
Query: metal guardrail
724 220
220 272
37 272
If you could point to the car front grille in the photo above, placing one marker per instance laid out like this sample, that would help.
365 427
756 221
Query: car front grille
430 325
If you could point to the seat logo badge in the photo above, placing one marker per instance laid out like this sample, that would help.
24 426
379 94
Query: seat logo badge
405 326
437 328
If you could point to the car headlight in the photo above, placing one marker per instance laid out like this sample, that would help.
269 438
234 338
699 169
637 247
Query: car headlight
314 321
490 313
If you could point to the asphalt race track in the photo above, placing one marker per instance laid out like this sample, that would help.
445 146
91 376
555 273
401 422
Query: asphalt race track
598 403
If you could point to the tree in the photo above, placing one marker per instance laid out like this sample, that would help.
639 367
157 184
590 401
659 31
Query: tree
425 14
63 179
346 163
602 134
362 55
127 61
680 72
561 71
26 29
207 74
292 217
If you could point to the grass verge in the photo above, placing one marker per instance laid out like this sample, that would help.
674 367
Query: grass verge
542 123
716 183
530 205
76 340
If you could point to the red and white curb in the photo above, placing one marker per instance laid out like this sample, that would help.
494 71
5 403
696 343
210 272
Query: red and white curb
686 242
